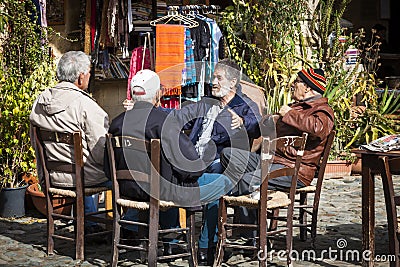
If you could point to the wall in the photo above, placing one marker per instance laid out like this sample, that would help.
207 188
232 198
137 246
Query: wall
68 31
110 94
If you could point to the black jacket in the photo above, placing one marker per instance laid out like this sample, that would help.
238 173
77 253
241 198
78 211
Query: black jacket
180 163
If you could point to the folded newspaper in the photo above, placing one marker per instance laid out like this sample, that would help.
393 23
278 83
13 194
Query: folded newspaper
384 144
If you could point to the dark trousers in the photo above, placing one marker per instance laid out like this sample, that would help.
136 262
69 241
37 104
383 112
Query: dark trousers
244 167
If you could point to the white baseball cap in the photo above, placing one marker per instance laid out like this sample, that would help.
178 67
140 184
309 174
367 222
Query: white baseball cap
145 82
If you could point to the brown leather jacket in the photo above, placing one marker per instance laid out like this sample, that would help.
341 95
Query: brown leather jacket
315 117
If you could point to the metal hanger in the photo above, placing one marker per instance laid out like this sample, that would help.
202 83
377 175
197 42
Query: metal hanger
173 15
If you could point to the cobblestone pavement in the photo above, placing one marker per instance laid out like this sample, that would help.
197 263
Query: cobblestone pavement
22 240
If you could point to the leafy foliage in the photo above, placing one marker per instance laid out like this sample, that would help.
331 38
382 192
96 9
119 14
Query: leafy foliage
26 69
262 37
272 40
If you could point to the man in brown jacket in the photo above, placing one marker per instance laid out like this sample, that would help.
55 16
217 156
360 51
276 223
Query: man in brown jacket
309 113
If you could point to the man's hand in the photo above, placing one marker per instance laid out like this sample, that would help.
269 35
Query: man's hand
237 121
284 109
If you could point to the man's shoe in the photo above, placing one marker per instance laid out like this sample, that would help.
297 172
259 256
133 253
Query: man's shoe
130 238
90 236
202 256
172 249
205 256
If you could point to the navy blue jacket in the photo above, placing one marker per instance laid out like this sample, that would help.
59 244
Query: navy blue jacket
191 117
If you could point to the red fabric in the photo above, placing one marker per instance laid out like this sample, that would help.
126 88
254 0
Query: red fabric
136 65
93 23
172 102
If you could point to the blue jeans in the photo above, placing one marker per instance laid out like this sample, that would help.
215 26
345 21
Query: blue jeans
92 201
212 187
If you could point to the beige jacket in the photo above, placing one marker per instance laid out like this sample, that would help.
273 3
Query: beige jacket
66 108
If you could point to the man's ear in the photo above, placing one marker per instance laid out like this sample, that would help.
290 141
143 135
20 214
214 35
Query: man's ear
80 79
233 82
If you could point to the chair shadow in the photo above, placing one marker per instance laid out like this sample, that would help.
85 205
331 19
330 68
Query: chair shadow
32 230
342 241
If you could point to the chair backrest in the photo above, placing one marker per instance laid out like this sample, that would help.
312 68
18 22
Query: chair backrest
322 163
75 164
293 144
257 94
134 147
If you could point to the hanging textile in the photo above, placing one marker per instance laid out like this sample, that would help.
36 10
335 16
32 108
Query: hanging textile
136 65
170 102
170 57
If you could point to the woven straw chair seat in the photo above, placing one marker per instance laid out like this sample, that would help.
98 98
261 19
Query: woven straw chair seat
164 205
276 199
307 189
70 193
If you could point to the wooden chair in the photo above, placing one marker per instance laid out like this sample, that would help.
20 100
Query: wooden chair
74 166
392 200
312 209
153 206
267 201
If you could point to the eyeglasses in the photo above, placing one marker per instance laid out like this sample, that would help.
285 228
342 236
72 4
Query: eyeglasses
298 81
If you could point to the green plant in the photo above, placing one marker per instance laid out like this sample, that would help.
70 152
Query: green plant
360 115
26 69
272 40
263 37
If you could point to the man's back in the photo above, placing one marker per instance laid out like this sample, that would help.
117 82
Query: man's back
180 164
66 108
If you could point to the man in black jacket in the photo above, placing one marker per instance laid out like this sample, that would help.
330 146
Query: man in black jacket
181 168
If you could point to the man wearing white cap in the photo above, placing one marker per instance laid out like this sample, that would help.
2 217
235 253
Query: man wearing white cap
181 168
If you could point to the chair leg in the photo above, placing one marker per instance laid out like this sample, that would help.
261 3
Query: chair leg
289 235
80 229
262 238
50 227
190 222
303 217
116 237
153 234
222 215
314 221
273 225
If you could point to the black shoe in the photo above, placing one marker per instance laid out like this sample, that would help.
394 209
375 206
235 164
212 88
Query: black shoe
172 249
251 242
92 229
205 256
202 256
130 238
92 237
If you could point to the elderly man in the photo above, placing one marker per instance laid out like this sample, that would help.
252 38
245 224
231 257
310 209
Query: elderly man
67 107
309 113
226 119
181 167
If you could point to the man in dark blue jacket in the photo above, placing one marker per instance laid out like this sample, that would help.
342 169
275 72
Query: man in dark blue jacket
226 119
182 180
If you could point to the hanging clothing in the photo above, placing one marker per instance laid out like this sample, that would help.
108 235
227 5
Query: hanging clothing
201 39
136 65
170 57
170 102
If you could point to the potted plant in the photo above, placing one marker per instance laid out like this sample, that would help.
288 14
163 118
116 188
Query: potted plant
25 69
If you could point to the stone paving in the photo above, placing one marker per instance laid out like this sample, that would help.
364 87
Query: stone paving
23 240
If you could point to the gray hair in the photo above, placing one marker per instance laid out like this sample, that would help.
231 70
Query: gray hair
71 65
148 97
231 68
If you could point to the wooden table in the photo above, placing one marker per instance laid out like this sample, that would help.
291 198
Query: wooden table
370 167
